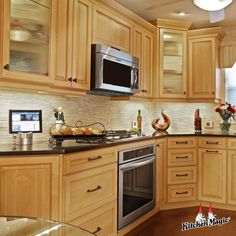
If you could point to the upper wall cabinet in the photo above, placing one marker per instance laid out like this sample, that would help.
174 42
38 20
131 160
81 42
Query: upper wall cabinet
111 29
173 58
73 44
28 41
204 69
143 49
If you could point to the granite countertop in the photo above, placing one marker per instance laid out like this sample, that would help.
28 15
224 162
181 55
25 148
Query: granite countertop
69 146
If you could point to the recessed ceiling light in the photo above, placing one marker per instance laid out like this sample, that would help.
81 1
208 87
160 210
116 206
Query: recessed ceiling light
181 13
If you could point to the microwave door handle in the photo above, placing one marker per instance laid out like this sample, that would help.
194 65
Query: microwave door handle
131 166
135 80
132 78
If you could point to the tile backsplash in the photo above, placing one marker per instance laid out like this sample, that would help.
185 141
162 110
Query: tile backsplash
113 114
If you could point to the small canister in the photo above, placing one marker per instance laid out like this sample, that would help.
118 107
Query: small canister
24 138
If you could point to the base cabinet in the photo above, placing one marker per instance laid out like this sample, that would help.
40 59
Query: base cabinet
29 186
212 171
101 221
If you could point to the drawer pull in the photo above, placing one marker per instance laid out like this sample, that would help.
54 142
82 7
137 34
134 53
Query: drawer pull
95 189
181 157
207 142
181 142
183 175
94 158
185 192
215 151
97 230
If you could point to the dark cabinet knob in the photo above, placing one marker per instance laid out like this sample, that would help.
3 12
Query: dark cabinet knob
6 67
70 79
75 80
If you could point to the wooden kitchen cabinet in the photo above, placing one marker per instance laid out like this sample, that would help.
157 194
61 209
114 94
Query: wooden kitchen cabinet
143 49
28 43
90 190
231 146
204 69
212 171
111 29
172 58
182 169
73 46
29 186
161 172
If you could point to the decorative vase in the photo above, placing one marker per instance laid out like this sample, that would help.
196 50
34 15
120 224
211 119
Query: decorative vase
225 125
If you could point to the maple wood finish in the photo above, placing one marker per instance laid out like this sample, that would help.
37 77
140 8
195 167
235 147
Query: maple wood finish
182 170
204 56
29 186
212 170
73 45
143 47
161 172
90 190
20 79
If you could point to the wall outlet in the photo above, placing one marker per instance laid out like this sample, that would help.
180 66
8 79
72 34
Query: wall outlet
208 124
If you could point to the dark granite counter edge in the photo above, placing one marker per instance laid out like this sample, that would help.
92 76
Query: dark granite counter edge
48 150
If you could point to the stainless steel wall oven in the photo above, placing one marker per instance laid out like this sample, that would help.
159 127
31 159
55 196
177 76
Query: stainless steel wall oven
137 181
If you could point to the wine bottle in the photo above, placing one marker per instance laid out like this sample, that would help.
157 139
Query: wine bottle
139 122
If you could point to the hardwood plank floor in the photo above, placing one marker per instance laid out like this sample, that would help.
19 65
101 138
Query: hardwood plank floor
169 222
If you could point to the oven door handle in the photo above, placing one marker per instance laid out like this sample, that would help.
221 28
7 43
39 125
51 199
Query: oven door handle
131 166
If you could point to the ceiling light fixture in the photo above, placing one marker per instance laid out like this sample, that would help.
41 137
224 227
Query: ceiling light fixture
213 5
181 13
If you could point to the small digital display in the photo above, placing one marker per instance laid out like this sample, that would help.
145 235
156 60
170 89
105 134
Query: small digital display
25 121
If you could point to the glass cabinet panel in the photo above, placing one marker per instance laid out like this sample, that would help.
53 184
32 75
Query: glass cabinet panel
172 58
29 36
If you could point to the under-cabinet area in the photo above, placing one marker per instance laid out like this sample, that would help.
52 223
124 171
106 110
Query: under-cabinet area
82 188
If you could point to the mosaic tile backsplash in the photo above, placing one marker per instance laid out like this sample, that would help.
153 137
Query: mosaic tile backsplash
113 114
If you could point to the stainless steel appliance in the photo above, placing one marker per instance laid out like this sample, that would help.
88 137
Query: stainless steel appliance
137 180
113 72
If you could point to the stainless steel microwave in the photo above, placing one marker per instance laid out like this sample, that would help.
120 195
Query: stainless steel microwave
113 72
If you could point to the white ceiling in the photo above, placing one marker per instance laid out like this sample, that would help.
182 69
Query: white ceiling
152 9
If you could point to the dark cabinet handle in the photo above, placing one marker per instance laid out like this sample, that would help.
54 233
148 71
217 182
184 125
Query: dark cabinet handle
185 192
70 79
207 142
184 175
181 157
184 142
94 158
75 80
144 91
97 230
95 189
215 151
6 67
184 92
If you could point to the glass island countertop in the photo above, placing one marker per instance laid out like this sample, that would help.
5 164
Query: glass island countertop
20 226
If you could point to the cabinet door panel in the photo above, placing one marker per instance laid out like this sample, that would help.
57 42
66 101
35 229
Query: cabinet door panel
212 175
28 33
111 29
232 177
29 187
173 63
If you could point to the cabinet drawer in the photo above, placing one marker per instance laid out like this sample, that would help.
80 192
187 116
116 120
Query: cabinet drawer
231 143
212 142
182 157
181 193
102 221
87 190
182 175
85 160
182 142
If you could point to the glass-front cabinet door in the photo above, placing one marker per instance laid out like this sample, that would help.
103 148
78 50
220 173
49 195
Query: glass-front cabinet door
27 44
173 63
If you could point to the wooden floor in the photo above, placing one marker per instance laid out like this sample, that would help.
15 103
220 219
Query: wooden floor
168 223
